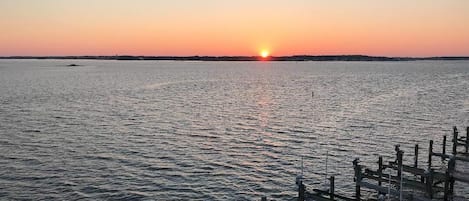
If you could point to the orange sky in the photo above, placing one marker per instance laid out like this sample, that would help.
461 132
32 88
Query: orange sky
241 27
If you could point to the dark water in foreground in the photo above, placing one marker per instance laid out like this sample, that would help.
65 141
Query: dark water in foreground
213 130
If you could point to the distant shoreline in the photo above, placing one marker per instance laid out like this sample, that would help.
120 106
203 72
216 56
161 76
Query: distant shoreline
242 58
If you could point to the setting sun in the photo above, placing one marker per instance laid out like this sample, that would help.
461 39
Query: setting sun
265 53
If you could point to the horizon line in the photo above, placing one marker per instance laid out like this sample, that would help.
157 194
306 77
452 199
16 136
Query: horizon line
235 56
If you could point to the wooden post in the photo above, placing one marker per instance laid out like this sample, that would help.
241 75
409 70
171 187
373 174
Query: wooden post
416 154
397 149
400 154
429 183
357 178
430 153
455 140
380 169
451 168
301 191
444 146
446 193
467 140
331 194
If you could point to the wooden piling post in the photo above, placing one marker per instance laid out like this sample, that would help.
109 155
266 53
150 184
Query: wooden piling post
380 169
430 154
357 179
301 191
451 168
467 140
444 145
429 183
332 189
416 154
400 154
446 191
455 140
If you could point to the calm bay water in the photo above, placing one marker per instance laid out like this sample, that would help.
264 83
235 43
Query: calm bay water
213 130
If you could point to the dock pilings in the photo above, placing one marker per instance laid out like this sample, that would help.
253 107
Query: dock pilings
426 184
431 182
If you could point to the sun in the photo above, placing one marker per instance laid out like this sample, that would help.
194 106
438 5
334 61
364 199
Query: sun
265 53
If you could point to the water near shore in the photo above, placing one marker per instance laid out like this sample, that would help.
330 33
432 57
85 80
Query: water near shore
213 130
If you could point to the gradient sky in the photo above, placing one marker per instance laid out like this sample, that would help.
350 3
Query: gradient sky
235 27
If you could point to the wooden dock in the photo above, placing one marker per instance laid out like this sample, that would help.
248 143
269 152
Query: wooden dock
424 183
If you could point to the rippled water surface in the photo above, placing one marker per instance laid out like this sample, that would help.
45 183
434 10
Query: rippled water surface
213 130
